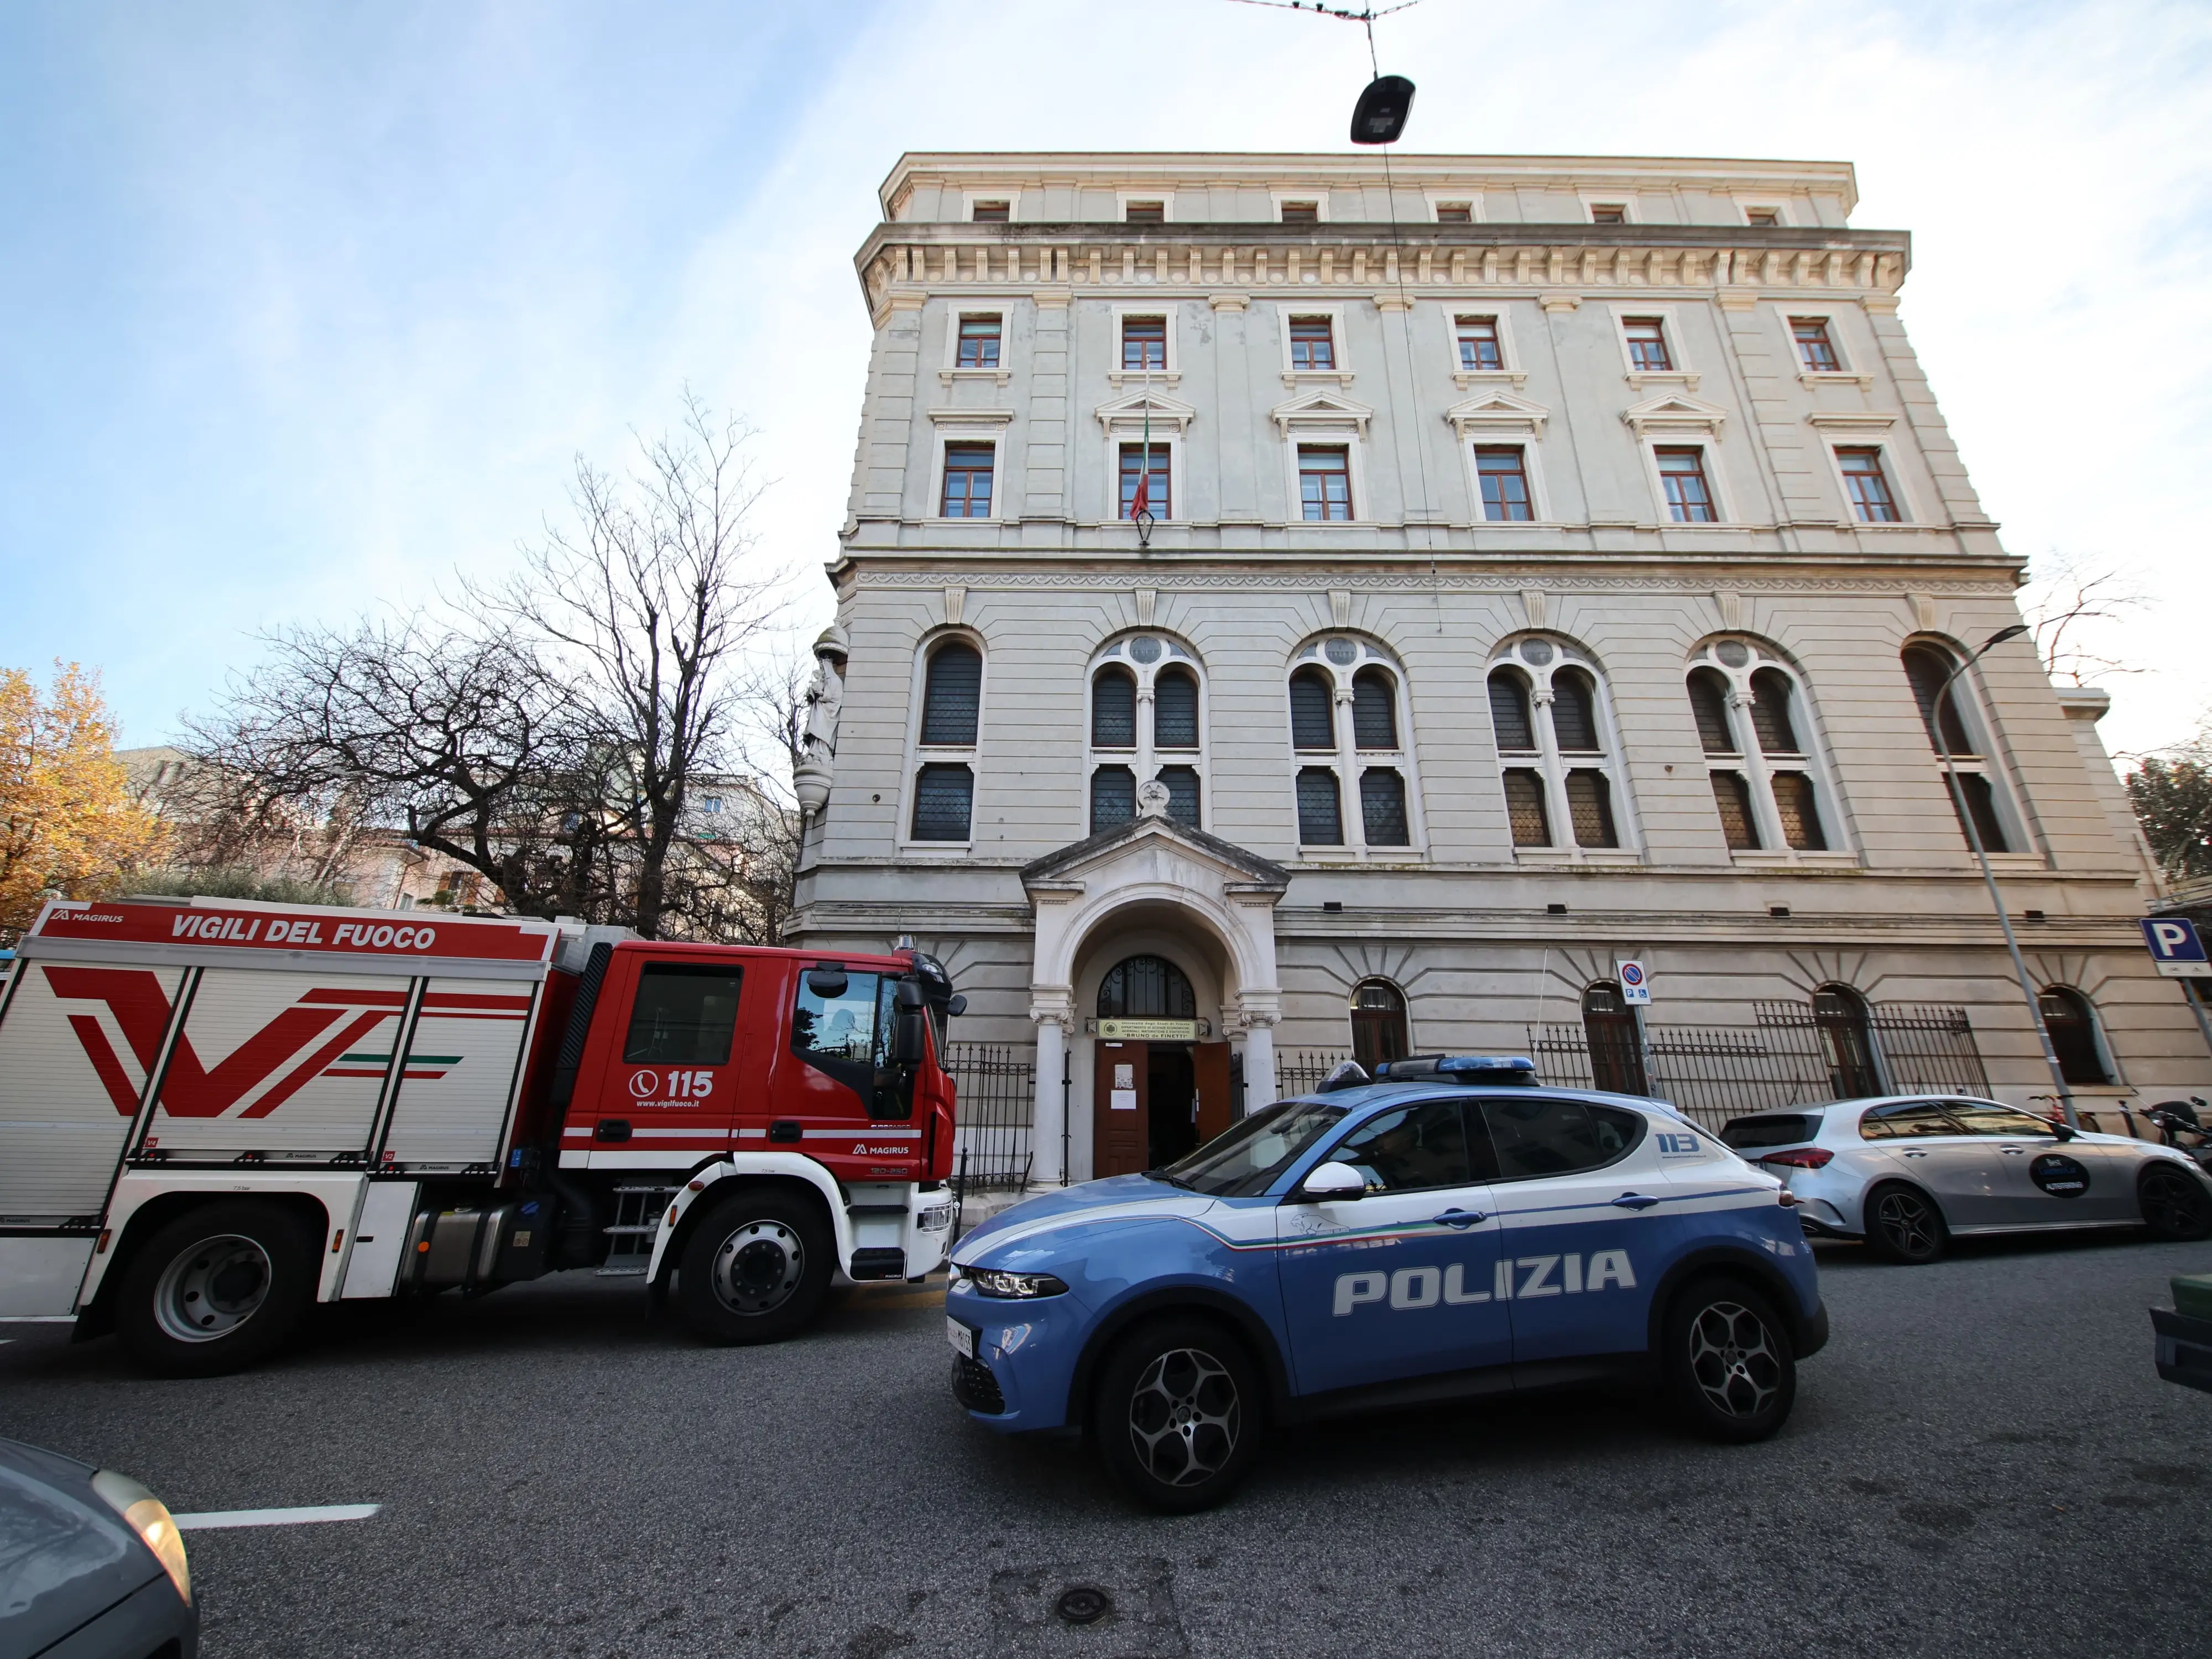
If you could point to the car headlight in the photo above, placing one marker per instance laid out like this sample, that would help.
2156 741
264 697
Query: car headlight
149 1517
937 1216
1016 1288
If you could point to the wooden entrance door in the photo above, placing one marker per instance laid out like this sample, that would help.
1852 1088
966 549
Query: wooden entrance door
1120 1111
1213 1094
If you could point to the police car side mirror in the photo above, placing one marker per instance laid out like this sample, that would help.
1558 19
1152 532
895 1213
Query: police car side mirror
1332 1180
2064 1131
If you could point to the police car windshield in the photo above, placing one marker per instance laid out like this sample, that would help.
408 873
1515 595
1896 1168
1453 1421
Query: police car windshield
1247 1159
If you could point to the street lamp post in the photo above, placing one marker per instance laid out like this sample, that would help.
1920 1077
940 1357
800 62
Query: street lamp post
1988 877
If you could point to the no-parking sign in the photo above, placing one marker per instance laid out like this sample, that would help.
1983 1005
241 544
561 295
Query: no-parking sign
1635 984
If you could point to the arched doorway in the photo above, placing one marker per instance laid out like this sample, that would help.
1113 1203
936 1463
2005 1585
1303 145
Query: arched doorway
1378 1023
1616 1045
1159 1090
1846 1041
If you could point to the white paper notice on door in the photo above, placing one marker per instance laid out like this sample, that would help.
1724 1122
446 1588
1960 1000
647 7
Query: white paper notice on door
1125 1100
1125 1076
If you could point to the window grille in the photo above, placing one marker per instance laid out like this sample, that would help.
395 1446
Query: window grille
1174 710
1182 783
1313 710
1383 807
1113 797
1374 710
941 800
1524 807
1113 709
949 697
1590 803
1320 823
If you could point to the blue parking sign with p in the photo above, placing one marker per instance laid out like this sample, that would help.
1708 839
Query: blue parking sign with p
2175 949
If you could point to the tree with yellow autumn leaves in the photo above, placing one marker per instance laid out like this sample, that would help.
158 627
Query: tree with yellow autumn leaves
68 821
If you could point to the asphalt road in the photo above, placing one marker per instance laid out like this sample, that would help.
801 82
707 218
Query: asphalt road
1982 1461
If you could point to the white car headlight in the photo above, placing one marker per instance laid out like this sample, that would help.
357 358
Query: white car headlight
149 1517
1015 1287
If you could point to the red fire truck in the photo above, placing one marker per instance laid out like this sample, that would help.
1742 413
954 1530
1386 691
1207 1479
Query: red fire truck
213 1114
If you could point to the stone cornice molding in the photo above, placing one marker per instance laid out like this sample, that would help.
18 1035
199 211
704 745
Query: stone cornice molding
971 416
1131 411
1884 578
1321 407
1847 420
1500 413
1675 412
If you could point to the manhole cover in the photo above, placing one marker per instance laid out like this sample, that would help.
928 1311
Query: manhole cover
1114 1610
1083 1605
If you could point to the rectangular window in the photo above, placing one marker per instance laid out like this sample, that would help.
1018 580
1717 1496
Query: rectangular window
979 344
1814 348
1320 822
1302 212
1313 343
1144 343
1732 795
1454 213
1869 486
1609 213
1647 345
1763 218
1325 484
1505 479
1689 497
941 797
1144 213
1134 469
967 480
684 1015
1477 343
1801 818
1182 783
1524 808
1589 804
1113 797
991 213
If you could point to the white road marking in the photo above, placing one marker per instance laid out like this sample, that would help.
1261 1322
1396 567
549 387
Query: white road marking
209 1520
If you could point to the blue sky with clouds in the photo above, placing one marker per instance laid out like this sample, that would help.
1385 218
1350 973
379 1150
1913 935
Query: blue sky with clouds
308 305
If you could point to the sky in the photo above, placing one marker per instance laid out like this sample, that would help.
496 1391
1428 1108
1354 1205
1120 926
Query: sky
305 307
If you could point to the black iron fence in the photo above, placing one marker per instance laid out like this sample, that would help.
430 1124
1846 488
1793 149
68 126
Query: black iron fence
995 1109
1790 1057
1302 1071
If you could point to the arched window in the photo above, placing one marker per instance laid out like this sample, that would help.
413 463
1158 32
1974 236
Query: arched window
1313 710
1175 709
1374 710
1146 988
1769 790
951 696
1147 702
1709 702
1616 1045
2072 1025
1378 1023
944 774
1369 764
1113 797
1847 1042
1547 704
1509 719
1113 709
1769 713
1952 723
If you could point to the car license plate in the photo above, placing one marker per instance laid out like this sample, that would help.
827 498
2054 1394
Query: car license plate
962 1337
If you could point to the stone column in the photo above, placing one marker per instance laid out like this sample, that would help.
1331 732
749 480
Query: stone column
1258 1059
1048 1121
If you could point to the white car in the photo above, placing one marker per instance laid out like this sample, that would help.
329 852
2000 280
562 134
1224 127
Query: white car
1906 1172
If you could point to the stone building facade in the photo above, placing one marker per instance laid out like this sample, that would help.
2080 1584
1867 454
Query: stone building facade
1545 566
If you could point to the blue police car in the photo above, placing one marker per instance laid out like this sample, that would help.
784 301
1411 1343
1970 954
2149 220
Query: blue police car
1448 1230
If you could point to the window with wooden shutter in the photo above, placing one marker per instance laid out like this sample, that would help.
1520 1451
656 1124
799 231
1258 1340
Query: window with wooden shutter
1524 808
1321 820
1574 712
1590 803
1709 696
951 695
1374 710
1739 827
1770 714
1313 710
1113 709
1510 720
1796 806
1174 710
1383 807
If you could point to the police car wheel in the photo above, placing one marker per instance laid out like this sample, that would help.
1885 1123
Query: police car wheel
2175 1205
216 1290
1903 1224
1730 1365
1179 1415
755 1269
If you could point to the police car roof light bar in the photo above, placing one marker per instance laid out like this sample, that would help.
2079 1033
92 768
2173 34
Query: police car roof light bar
1516 1069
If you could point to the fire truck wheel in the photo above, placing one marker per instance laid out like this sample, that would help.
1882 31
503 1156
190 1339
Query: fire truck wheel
755 1269
216 1290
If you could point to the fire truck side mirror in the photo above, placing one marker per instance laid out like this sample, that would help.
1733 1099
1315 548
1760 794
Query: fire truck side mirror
827 981
956 1007
909 1043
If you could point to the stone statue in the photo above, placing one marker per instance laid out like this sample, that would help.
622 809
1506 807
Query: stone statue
825 698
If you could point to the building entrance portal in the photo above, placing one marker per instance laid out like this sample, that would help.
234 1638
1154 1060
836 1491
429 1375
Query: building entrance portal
1156 1098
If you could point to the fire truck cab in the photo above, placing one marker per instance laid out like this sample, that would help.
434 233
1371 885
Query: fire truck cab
215 1114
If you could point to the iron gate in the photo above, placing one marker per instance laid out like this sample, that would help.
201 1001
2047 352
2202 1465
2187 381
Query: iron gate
994 1108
